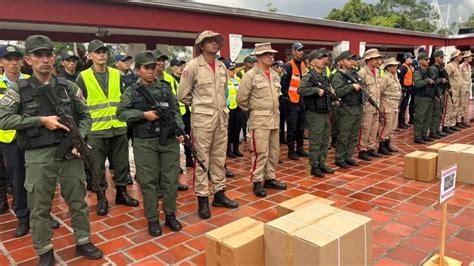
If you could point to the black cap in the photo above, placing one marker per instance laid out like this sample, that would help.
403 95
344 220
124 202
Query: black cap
68 54
9 49
408 55
38 42
229 64
344 55
95 45
278 63
356 57
177 62
297 46
250 59
122 56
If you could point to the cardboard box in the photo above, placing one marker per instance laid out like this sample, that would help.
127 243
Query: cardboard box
319 235
436 147
409 165
239 243
426 166
448 155
299 202
466 166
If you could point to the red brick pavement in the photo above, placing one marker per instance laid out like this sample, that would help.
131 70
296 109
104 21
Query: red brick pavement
405 230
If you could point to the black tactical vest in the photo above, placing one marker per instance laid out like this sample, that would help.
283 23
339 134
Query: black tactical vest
315 103
428 90
34 103
145 129
354 97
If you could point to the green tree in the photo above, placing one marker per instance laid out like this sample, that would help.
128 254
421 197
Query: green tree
402 14
469 23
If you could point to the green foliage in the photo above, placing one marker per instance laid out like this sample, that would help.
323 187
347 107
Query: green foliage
402 14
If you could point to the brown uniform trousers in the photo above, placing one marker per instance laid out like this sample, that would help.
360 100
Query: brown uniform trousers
258 96
370 117
391 92
466 87
204 90
453 107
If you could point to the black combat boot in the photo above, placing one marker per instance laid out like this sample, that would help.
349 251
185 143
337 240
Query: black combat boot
434 136
389 147
172 222
221 200
154 228
316 171
351 162
364 156
258 190
383 150
53 223
203 208
23 227
230 153
236 150
228 173
342 165
47 259
102 204
327 170
122 197
274 184
455 129
442 134
182 187
292 155
447 130
427 139
89 251
460 125
466 125
420 141
373 153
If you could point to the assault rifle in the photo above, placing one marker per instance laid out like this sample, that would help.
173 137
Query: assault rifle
328 92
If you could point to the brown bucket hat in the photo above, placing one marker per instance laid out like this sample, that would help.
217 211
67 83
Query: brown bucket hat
206 35
261 48
372 53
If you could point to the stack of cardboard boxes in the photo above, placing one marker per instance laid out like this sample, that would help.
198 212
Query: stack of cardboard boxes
426 166
309 232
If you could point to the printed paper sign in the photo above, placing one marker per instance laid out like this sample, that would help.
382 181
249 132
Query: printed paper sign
448 183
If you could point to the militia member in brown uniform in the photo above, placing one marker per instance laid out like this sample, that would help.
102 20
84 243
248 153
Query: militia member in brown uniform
203 86
391 93
258 95
370 118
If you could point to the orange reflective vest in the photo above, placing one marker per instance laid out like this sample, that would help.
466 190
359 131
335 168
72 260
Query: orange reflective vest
408 80
295 81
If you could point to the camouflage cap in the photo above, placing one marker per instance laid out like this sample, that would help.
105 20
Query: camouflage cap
206 35
423 56
95 45
438 53
316 54
38 42
159 55
145 58
344 55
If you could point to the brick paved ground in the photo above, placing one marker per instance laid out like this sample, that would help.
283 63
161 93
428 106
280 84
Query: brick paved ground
405 213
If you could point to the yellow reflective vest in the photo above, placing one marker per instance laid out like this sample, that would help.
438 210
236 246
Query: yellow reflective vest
7 136
103 107
172 81
232 88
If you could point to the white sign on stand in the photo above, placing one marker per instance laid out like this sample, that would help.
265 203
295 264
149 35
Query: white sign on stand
448 183
235 42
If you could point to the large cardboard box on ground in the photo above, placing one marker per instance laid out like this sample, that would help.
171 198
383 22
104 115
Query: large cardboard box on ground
319 234
420 166
409 164
435 147
449 155
466 166
299 202
239 243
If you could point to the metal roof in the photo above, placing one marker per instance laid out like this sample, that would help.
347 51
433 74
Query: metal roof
242 12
